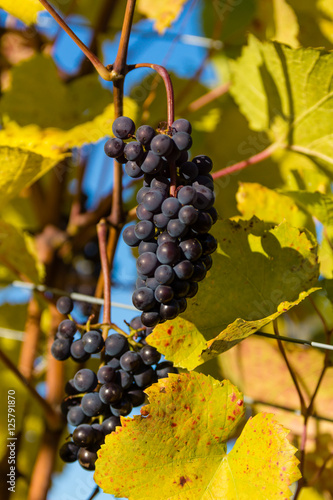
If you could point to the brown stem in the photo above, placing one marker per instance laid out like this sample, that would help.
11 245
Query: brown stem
100 68
263 155
30 343
208 98
119 66
102 232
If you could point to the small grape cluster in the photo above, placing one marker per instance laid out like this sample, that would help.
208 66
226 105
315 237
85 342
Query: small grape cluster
95 402
172 234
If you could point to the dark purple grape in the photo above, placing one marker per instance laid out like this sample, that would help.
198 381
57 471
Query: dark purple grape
68 452
199 272
161 145
144 377
164 274
164 294
164 368
114 363
124 379
183 158
204 180
60 349
144 230
133 170
191 248
67 328
110 393
189 171
184 270
133 151
99 434
205 198
151 164
150 318
75 416
203 223
171 207
145 134
170 310
106 374
161 183
143 299
123 127
116 344
140 282
93 342
129 236
176 228
149 355
152 283
87 459
78 353
180 288
182 125
140 194
130 361
182 303
204 164
143 214
187 195
208 261
65 305
164 237
168 253
153 200
114 147
147 246
85 380
84 435
109 425
188 215
208 243
160 221
183 141
70 388
91 404
123 408
137 397
194 287
213 213
135 323
147 263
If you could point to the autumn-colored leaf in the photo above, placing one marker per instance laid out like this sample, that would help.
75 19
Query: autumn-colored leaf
163 13
26 10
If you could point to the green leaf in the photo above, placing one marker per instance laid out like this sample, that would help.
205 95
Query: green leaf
287 92
18 253
181 436
259 272
26 11
317 204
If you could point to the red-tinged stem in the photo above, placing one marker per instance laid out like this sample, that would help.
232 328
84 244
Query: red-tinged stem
102 232
209 97
100 68
266 153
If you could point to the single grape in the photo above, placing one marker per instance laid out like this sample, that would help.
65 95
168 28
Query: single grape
164 294
123 127
133 151
189 171
203 223
143 214
93 342
153 200
204 164
123 408
183 141
106 374
99 434
184 270
65 305
110 393
191 248
109 424
182 125
168 253
140 194
161 145
171 207
129 236
213 213
180 288
91 404
199 272
164 237
208 261
205 198
176 228
144 377
161 183
136 396
68 452
209 244
149 355
160 221
143 298
85 380
187 195
67 404
133 170
78 352
147 246
116 344
145 134
144 230
147 263
75 416
130 361
164 368
60 349
188 215
150 318
164 274
87 459
124 379
67 328
151 164
182 303
193 289
170 310
84 435
183 158
114 147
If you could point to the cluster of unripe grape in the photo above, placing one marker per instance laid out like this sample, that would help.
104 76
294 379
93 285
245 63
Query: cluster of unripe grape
172 234
95 402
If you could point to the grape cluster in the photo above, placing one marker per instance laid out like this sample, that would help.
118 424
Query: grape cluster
172 234
95 402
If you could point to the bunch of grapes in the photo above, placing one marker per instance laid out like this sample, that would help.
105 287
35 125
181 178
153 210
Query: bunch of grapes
95 402
172 234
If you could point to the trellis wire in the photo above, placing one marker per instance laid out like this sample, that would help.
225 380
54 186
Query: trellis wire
94 300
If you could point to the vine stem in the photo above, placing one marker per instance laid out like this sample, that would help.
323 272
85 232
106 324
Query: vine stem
263 155
102 232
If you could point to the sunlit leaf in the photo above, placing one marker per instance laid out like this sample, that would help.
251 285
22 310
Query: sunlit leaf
259 272
181 434
26 10
317 204
163 13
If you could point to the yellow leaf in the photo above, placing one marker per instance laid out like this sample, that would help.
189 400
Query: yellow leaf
25 10
162 12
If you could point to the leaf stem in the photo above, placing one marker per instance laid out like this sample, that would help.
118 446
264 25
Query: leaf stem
100 68
263 155
102 232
